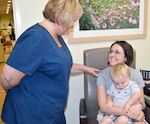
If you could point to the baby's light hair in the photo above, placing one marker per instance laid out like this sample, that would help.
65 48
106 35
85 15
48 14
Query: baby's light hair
119 71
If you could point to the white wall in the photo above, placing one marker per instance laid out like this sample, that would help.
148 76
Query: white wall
28 14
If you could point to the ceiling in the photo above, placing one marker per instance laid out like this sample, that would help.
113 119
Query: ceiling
3 7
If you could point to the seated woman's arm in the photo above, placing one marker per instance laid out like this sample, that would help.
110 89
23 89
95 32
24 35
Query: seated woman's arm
136 110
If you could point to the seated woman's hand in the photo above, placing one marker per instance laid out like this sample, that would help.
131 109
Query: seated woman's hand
136 112
141 116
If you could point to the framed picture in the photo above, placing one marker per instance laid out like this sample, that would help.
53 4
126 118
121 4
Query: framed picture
110 20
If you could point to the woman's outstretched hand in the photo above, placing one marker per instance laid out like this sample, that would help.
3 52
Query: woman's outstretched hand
79 68
92 71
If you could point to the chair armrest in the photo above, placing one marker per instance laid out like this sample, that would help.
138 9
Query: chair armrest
147 99
83 112
147 109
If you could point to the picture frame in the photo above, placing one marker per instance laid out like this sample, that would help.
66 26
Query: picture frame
76 35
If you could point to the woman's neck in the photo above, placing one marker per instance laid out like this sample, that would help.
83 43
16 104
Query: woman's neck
52 28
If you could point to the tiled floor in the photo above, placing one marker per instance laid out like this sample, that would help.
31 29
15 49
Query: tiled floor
2 94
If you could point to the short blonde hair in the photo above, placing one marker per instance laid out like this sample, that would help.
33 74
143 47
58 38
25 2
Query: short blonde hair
119 71
62 11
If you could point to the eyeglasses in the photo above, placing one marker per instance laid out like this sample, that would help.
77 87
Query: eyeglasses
115 52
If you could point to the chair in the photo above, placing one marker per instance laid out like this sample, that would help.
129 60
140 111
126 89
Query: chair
8 44
88 105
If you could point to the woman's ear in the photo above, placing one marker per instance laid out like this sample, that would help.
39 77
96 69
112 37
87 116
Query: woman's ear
125 59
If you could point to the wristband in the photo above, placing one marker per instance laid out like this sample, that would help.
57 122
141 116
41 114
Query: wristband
142 105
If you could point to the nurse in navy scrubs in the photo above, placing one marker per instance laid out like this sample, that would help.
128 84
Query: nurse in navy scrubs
37 72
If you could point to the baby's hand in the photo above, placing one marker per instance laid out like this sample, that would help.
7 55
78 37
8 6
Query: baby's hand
126 107
109 105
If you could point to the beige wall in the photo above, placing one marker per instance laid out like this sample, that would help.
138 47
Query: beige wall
27 14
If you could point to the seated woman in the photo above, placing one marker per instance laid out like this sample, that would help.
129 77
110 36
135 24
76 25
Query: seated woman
120 52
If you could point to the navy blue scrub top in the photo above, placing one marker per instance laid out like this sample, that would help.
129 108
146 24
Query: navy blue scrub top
41 96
